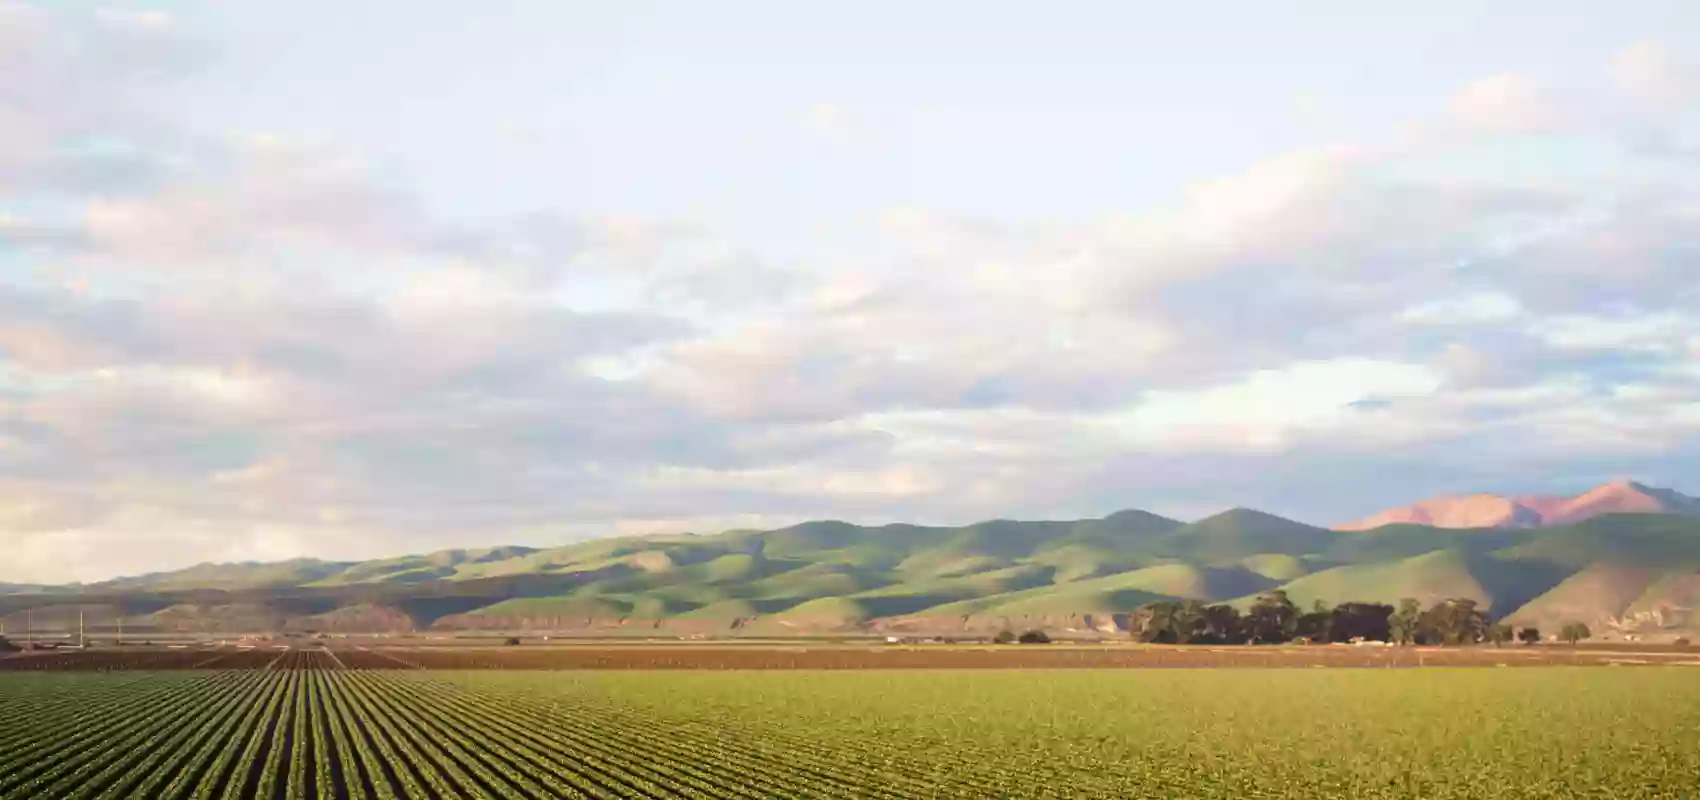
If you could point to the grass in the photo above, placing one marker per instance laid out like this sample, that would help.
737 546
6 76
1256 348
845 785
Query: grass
1428 577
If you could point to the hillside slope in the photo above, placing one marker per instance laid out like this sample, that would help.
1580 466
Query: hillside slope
1621 573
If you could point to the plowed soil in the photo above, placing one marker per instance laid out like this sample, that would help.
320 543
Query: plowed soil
724 657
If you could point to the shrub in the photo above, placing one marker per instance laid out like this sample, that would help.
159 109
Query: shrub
1035 637
1681 642
511 642
1004 637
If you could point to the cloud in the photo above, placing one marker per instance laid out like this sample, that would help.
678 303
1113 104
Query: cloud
265 195
830 118
225 347
1505 104
78 94
1651 74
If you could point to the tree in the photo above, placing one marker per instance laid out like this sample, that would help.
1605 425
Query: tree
6 646
1158 622
1366 621
1034 637
1575 632
1402 624
1272 618
1499 634
1455 620
511 642
1222 625
1529 636
1004 637
1190 623
1313 626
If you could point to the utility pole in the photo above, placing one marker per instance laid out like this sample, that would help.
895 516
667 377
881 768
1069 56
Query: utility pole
29 629
120 641
82 631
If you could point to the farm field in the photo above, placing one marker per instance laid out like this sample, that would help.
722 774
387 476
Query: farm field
310 727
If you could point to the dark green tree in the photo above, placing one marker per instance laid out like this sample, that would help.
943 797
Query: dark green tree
1314 625
1222 625
1402 624
1034 637
1575 632
1273 618
1455 620
1366 621
1158 622
1499 634
1529 635
1191 624
1004 637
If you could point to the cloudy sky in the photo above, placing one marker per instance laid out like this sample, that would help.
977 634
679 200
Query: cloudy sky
352 279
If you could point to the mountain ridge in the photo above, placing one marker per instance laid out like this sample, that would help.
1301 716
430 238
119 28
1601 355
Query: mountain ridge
1619 568
1485 510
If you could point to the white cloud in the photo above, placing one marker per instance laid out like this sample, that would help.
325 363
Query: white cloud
253 347
1471 308
1266 408
1504 104
1665 332
153 20
831 118
1651 74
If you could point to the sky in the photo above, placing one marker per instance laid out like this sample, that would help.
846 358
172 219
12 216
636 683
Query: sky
349 280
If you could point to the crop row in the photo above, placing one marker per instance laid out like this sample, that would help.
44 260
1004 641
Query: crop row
312 728
330 733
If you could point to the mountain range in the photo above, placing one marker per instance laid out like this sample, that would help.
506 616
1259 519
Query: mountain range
1532 511
1623 558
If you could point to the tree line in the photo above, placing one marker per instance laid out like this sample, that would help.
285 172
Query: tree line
1273 618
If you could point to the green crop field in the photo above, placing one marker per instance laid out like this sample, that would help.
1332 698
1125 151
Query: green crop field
1227 733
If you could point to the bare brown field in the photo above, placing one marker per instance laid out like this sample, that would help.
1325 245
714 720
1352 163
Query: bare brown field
838 657
139 660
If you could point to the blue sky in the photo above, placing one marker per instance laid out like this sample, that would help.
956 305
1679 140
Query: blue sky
343 280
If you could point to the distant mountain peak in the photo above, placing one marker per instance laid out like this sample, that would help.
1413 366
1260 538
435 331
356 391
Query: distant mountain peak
1483 510
1244 512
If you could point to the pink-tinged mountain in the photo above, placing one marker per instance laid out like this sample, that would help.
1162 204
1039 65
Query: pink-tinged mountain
1535 511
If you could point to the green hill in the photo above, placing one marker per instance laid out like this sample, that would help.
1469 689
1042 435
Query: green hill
1240 533
1278 567
1640 539
1629 572
1598 595
1428 577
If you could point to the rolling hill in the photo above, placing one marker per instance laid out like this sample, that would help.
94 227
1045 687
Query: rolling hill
1627 571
